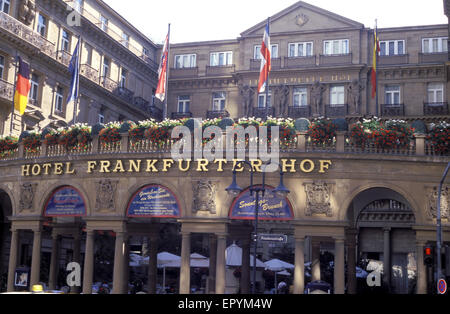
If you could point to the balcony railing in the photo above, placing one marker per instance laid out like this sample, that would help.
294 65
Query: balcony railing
220 70
183 73
439 57
300 62
155 112
388 110
109 84
394 59
299 112
181 115
336 110
213 114
435 109
125 94
89 72
64 57
6 90
263 112
336 59
255 64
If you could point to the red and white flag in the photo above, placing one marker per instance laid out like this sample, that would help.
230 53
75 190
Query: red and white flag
162 72
265 60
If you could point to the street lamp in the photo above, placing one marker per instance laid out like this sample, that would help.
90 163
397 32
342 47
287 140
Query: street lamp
234 190
439 226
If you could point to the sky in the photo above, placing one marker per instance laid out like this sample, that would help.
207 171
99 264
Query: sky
203 20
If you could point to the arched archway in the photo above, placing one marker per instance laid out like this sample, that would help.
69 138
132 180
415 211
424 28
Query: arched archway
386 242
5 237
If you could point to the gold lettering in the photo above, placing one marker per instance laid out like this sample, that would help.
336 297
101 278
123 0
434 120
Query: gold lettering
135 165
68 168
36 170
202 164
256 165
26 170
104 166
46 168
220 162
324 165
151 166
311 166
91 166
59 169
285 165
167 164
119 167
188 165
237 169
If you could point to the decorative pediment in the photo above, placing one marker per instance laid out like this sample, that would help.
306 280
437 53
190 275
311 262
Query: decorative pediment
303 17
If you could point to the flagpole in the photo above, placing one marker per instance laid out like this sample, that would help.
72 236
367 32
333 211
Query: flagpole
268 72
167 76
76 102
377 109
14 95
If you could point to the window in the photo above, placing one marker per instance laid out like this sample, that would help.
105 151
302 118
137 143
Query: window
185 61
262 100
392 95
435 93
221 59
336 47
4 6
300 97
101 118
65 41
42 25
78 5
34 91
123 78
184 103
104 23
392 47
257 53
435 45
59 99
337 95
304 49
145 54
219 99
125 40
106 64
2 66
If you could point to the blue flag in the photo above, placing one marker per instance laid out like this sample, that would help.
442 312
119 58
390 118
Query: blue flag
74 69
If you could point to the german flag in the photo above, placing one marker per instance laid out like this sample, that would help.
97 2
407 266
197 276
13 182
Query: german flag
23 87
376 51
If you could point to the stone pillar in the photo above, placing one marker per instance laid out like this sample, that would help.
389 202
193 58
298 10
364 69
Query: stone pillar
126 263
88 270
185 270
421 269
76 256
53 277
153 264
36 258
387 258
339 266
13 255
119 254
447 261
315 266
212 263
245 269
299 271
221 264
351 261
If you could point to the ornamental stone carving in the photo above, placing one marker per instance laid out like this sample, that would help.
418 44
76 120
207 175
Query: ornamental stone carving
106 191
318 195
248 94
354 91
27 191
317 91
301 19
432 193
204 197
27 10
282 93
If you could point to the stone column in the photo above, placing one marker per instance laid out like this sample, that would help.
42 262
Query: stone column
153 264
299 271
76 256
212 263
421 269
447 259
387 258
53 277
88 270
245 269
36 258
13 255
315 266
339 266
221 263
119 254
185 270
126 263
351 261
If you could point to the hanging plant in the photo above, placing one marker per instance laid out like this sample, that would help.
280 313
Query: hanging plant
31 141
7 145
439 136
322 132
110 134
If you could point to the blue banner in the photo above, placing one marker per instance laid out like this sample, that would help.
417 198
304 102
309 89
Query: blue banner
154 201
66 201
271 207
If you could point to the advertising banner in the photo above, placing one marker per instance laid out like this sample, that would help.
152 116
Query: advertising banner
154 201
65 202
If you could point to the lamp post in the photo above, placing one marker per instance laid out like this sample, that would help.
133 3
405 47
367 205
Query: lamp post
439 226
234 190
